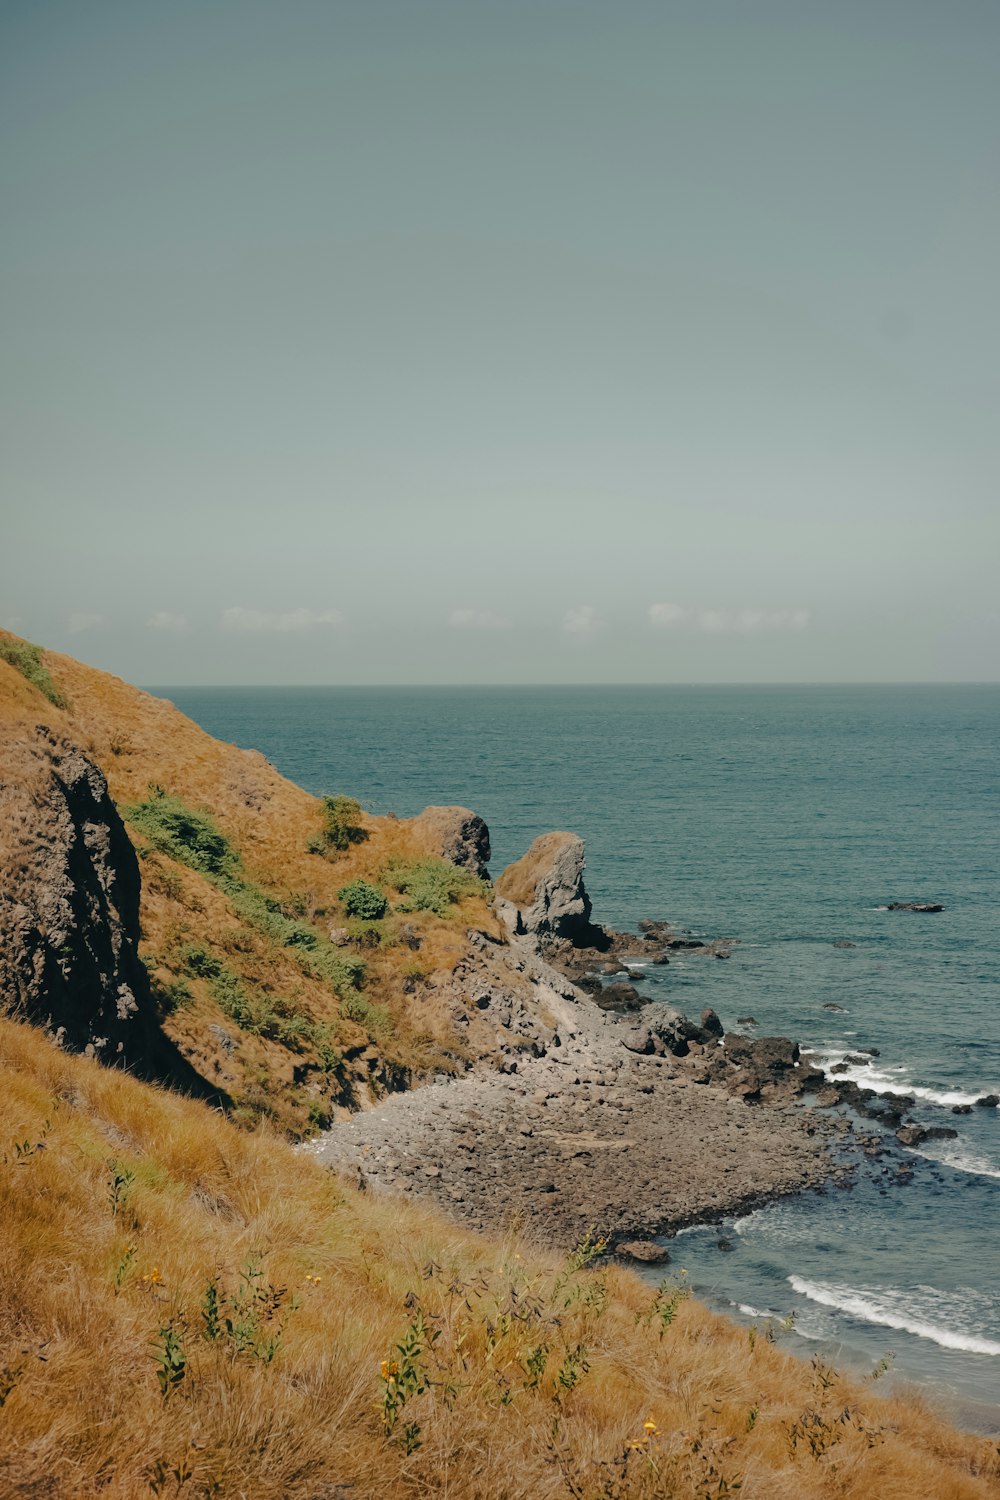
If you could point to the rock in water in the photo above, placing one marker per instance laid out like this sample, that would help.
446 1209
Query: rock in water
542 894
914 906
69 902
457 835
648 1252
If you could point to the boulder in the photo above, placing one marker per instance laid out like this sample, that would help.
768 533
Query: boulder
542 894
667 1033
646 1252
914 906
619 996
457 835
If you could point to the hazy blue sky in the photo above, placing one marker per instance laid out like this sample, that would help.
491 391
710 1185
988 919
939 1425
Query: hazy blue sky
402 340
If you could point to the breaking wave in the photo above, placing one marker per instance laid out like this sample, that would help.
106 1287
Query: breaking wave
899 1310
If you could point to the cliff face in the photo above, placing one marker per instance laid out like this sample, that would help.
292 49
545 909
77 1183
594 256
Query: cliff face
69 901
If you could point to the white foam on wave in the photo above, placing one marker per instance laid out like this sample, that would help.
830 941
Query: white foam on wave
754 1312
895 1310
960 1160
776 1225
888 1078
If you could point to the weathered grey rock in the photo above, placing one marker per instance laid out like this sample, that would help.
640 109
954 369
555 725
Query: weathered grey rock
455 834
542 894
647 1252
69 902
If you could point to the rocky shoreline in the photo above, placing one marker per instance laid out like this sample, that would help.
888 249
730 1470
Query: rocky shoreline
589 1136
595 1109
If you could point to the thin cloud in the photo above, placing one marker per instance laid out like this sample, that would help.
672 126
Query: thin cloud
81 620
582 622
166 620
753 621
265 622
477 619
666 615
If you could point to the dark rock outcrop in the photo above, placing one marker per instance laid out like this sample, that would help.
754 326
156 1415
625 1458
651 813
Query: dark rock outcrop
457 835
912 1135
69 903
619 995
914 906
663 1032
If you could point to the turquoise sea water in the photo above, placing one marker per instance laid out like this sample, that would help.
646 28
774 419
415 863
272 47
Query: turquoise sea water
786 818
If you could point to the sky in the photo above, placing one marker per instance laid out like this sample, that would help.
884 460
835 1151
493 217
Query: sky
485 341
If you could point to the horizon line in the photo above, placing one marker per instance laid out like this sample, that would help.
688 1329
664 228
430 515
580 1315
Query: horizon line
485 686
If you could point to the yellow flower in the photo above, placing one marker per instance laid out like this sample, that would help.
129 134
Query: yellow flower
389 1369
650 1426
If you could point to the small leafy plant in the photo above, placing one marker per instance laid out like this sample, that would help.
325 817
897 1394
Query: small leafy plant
364 901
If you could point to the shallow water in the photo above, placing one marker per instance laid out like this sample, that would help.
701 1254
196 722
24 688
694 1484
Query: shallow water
786 818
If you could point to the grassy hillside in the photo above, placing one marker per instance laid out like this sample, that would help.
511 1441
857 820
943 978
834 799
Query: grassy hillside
190 1309
241 875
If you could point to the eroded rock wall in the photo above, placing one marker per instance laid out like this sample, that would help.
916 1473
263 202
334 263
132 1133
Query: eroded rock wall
69 901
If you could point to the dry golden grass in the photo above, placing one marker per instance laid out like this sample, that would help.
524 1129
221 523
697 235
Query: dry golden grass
91 1278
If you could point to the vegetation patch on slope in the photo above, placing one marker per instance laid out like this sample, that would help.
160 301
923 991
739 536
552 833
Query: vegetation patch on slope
432 885
194 838
26 658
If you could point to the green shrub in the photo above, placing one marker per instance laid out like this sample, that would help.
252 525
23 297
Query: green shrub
27 659
198 961
431 884
341 828
363 900
191 837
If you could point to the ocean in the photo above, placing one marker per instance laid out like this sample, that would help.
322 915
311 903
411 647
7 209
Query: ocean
786 819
